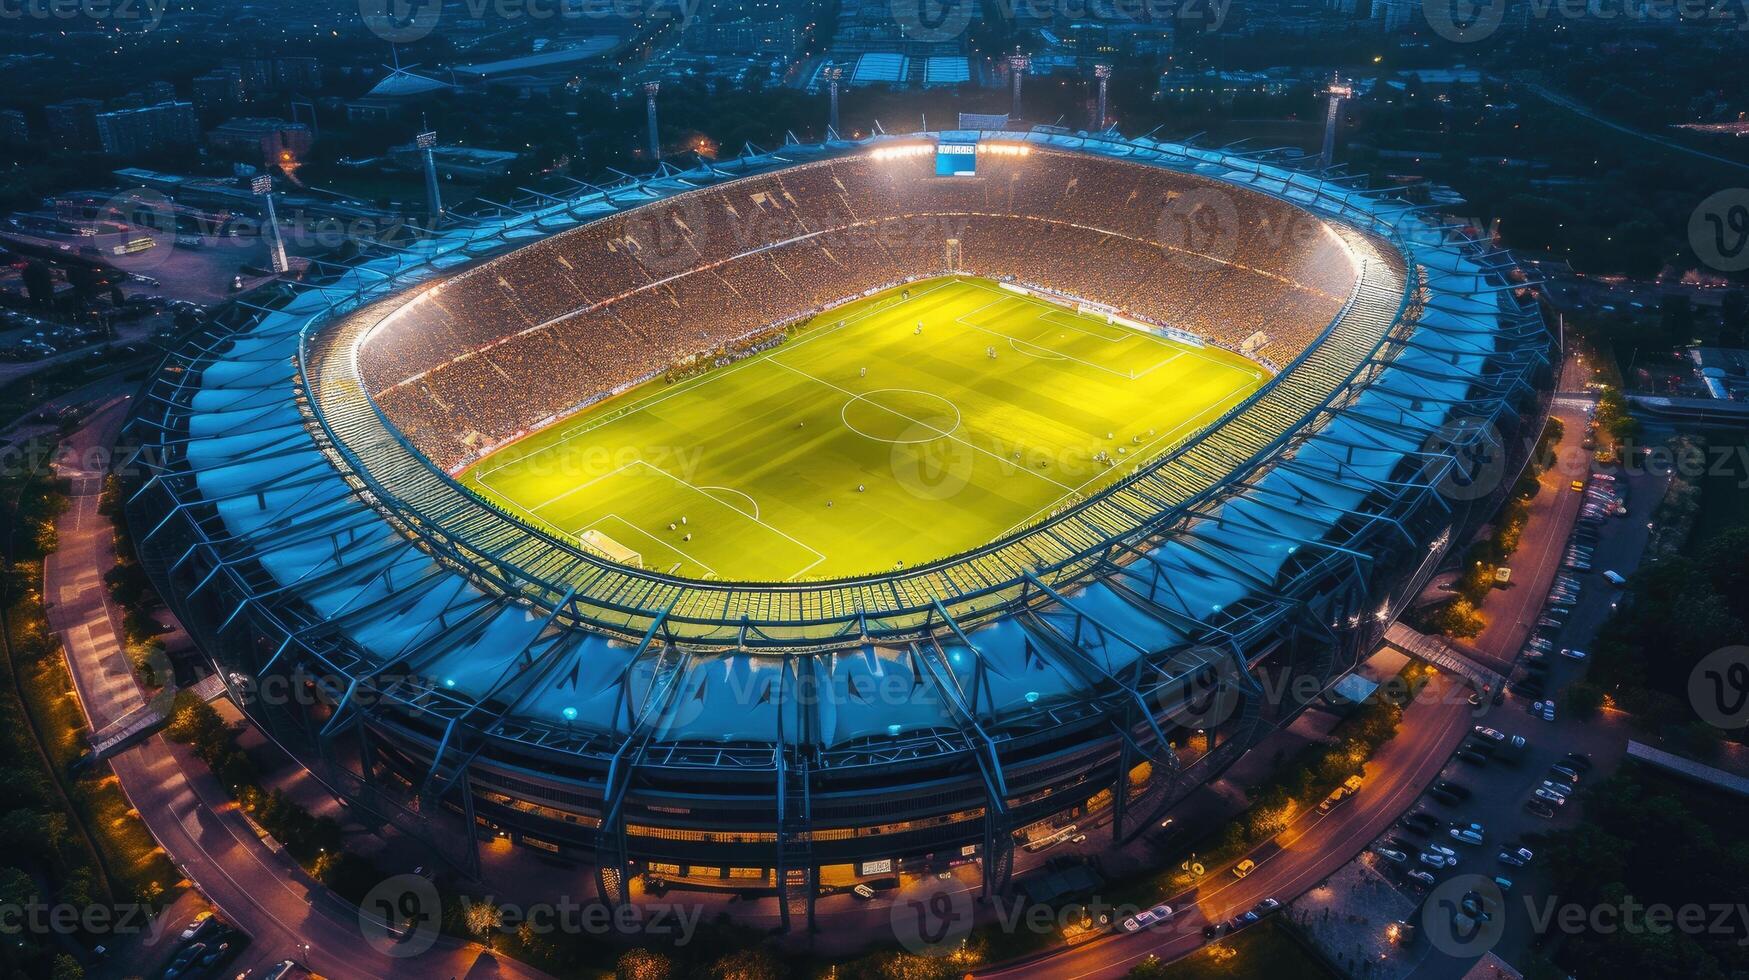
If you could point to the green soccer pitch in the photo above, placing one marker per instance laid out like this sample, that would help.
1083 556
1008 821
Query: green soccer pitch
895 429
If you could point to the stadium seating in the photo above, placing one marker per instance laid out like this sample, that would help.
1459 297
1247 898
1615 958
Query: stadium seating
551 327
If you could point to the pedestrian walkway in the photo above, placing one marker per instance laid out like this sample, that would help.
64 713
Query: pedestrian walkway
1432 650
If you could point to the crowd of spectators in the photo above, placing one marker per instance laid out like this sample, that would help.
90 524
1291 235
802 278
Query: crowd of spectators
542 331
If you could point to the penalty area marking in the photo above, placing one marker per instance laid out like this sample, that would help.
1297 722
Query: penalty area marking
743 495
709 571
777 531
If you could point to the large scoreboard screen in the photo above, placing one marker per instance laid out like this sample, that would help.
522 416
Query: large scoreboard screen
956 154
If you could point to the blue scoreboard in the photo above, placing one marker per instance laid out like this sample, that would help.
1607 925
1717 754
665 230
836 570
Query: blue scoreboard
956 154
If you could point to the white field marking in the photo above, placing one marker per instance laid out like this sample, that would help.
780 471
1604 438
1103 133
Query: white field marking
819 556
555 498
744 496
1042 353
649 401
709 571
1042 312
1143 456
1144 334
556 530
844 417
1126 375
926 425
1059 317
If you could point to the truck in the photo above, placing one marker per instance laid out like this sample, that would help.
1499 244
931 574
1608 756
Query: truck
1349 787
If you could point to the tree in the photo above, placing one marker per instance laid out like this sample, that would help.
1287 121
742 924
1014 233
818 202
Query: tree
641 964
1584 700
483 919
66 968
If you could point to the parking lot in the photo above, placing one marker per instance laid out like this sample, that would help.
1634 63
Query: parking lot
1516 777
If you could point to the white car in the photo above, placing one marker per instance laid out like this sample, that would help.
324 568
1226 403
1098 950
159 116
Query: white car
1556 786
1493 735
1422 877
1150 917
1572 654
1433 860
1548 797
1443 851
1395 857
1548 711
194 927
1466 836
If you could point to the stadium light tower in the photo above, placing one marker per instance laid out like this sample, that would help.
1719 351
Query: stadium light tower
263 188
1103 74
1338 91
1017 65
650 90
834 74
433 197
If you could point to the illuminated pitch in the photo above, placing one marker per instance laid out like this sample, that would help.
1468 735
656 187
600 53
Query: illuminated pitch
899 429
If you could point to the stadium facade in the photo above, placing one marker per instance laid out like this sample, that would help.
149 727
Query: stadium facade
465 675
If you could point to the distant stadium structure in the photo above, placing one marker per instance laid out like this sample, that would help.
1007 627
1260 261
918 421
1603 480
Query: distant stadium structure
468 672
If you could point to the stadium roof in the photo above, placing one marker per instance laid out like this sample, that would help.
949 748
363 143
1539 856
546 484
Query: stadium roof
315 559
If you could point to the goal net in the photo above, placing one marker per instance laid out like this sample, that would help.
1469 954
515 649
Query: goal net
606 547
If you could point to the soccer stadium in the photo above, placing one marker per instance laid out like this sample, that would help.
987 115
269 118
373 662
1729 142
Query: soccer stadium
788 522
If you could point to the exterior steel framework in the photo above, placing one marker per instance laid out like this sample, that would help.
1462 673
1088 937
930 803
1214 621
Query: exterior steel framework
468 668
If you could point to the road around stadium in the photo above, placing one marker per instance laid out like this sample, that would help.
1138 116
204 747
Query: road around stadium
909 426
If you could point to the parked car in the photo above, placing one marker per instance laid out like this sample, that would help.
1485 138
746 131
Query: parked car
1421 820
1572 654
1420 877
1395 857
1147 917
1491 734
1553 799
1539 808
1577 761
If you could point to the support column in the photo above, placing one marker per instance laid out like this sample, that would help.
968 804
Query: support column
1017 65
1337 91
1102 73
834 74
650 90
433 197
